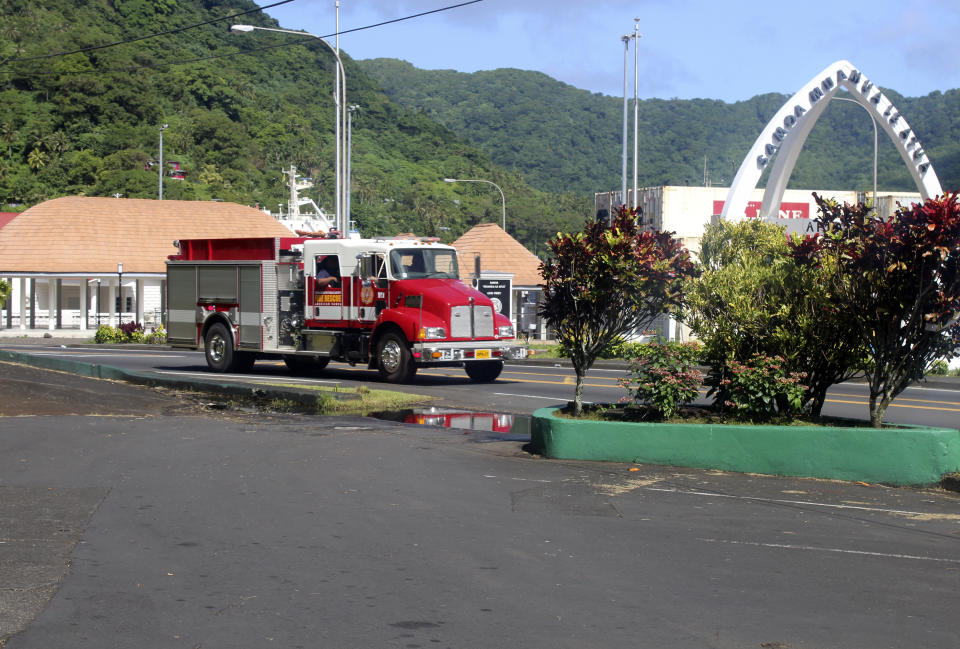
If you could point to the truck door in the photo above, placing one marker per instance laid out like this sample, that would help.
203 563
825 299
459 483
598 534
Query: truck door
371 286
326 289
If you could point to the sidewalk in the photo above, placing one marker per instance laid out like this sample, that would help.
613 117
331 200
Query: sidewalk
16 332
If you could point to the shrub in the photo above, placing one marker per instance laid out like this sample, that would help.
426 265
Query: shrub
107 334
132 331
939 368
762 388
127 332
664 377
157 337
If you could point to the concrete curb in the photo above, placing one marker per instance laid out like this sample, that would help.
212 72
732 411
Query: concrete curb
904 455
306 400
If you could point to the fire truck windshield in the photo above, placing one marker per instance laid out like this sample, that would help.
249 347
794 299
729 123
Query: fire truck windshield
419 263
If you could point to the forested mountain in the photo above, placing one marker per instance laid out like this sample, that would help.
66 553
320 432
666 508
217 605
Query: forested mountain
561 138
86 84
240 108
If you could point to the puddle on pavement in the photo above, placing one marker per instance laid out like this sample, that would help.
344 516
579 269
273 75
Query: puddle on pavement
487 426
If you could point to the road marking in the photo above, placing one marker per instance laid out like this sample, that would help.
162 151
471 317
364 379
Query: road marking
779 501
896 404
99 354
897 400
813 548
525 396
273 381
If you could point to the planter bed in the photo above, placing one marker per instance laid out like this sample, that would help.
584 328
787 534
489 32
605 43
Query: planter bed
897 455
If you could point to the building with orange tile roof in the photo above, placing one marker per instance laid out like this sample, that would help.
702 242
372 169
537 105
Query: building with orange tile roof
63 255
503 257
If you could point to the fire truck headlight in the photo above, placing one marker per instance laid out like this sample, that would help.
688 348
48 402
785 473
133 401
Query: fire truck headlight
506 331
432 333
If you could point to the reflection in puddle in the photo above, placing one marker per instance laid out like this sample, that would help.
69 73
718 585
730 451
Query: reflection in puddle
502 425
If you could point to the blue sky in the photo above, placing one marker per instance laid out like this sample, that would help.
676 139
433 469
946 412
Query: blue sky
716 49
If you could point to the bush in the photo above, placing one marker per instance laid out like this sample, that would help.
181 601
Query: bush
663 377
630 350
128 332
156 337
107 334
762 388
939 368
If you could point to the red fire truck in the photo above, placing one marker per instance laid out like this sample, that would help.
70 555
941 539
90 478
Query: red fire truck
392 304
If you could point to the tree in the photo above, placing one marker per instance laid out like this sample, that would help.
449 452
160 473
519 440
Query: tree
898 282
4 292
753 298
601 284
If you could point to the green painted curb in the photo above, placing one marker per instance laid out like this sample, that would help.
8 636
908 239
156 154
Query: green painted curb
905 455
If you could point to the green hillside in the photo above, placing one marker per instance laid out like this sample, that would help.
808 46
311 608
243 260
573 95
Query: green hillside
561 138
88 122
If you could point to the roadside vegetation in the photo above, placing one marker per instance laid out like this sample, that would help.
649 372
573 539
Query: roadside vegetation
130 332
779 319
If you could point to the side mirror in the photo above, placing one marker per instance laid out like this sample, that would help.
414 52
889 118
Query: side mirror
367 265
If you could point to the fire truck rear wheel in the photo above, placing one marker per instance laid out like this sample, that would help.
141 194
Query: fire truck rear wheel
394 360
483 371
305 364
218 347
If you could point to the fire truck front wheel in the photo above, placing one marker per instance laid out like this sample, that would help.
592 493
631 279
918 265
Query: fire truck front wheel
393 358
483 371
218 348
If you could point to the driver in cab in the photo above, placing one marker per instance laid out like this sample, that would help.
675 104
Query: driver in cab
328 274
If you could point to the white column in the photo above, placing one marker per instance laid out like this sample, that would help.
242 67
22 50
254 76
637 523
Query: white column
96 303
112 304
140 301
84 303
23 302
52 305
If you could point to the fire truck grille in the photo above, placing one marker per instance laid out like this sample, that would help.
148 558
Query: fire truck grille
462 327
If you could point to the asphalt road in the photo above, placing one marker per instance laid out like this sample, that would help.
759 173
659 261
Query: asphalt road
147 521
521 388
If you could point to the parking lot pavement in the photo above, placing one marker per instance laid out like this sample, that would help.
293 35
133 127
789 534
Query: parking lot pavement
172 526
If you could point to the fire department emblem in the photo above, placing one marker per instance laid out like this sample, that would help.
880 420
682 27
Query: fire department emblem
366 295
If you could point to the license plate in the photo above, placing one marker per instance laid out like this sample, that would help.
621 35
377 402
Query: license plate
482 353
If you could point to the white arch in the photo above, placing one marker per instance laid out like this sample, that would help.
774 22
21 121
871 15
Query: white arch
786 133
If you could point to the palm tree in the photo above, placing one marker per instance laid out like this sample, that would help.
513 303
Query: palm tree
37 159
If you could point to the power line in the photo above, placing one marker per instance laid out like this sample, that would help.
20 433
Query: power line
144 37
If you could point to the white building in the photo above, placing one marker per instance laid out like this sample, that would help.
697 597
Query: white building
65 258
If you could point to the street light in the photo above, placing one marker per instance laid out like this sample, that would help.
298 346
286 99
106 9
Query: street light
873 120
349 178
161 162
489 182
339 100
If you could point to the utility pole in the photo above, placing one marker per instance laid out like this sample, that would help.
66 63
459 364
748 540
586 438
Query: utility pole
160 173
636 104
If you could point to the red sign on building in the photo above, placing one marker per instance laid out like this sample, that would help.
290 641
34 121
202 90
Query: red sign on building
786 211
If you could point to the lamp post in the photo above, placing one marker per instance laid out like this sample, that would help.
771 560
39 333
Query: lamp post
349 178
339 100
623 186
161 163
489 182
873 121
